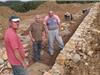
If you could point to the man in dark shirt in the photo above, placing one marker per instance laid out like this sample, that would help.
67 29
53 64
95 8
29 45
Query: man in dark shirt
36 33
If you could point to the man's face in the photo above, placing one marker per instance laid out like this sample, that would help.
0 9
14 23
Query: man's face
51 13
15 24
38 18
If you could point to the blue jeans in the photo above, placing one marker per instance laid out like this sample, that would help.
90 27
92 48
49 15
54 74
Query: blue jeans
52 36
18 70
36 50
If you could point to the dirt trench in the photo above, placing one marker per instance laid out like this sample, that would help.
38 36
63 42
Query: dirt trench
73 26
48 61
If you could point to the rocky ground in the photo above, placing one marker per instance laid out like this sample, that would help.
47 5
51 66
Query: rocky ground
81 54
68 28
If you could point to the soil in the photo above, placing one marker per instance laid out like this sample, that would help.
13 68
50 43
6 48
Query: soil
48 61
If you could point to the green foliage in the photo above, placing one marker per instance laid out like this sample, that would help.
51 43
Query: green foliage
1 3
26 6
65 1
22 6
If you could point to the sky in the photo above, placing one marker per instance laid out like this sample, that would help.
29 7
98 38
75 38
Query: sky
13 0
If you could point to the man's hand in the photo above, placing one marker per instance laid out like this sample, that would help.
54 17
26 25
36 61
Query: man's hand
33 40
24 64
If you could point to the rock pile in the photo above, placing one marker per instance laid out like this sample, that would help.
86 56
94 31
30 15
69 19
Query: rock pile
5 67
78 55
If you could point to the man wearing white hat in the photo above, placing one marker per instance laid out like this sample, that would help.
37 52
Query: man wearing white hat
14 47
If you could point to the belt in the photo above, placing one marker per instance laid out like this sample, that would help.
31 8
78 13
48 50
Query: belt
53 29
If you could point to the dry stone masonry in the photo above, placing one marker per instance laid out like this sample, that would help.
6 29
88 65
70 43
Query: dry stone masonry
81 55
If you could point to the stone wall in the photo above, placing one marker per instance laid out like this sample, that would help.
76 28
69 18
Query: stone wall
77 56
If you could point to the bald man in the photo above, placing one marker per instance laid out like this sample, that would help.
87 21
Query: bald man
35 32
52 27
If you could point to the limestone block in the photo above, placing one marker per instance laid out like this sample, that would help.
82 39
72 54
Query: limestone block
90 53
1 61
84 56
65 32
63 24
4 56
71 44
25 45
69 56
47 73
8 64
37 69
76 57
60 59
86 64
57 70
